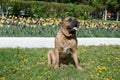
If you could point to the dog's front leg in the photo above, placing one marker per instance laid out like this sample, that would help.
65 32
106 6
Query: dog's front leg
56 59
51 57
76 61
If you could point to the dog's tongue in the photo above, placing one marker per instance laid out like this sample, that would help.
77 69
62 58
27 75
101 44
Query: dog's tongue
75 28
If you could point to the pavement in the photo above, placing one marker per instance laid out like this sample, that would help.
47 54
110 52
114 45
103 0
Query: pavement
46 42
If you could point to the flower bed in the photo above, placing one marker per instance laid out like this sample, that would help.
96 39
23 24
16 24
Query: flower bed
48 27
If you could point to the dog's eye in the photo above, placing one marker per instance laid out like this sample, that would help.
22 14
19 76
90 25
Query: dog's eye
68 27
76 25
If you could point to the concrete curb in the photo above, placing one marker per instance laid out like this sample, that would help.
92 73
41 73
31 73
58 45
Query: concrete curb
40 42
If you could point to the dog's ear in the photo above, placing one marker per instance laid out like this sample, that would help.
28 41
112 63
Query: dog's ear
61 22
65 19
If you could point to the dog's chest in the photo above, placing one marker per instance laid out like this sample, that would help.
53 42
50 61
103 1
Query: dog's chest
65 55
66 47
66 43
66 52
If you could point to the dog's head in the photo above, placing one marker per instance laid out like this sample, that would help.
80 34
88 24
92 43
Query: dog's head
69 26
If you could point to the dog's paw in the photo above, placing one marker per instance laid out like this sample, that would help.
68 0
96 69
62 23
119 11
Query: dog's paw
56 67
49 65
80 68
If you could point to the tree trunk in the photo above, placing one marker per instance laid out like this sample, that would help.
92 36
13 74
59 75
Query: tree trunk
105 14
117 16
2 10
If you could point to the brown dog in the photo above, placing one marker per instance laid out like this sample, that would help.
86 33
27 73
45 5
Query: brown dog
65 44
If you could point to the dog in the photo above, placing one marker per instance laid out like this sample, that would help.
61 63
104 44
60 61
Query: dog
65 50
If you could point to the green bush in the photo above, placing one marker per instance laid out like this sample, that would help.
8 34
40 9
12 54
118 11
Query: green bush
51 9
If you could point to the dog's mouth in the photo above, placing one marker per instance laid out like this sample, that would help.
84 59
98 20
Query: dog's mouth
75 28
72 29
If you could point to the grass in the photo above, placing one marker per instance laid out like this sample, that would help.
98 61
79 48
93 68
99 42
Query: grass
99 63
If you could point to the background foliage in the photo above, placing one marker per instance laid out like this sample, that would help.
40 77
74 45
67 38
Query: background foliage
50 9
60 8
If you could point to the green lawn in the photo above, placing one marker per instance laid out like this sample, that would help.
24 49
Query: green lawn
99 63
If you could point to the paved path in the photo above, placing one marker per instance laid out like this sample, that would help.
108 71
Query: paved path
39 42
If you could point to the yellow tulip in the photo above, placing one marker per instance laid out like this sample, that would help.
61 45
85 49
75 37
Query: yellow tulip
8 26
2 21
44 24
1 25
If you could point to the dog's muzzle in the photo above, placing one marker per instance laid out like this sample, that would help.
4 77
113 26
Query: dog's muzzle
72 29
